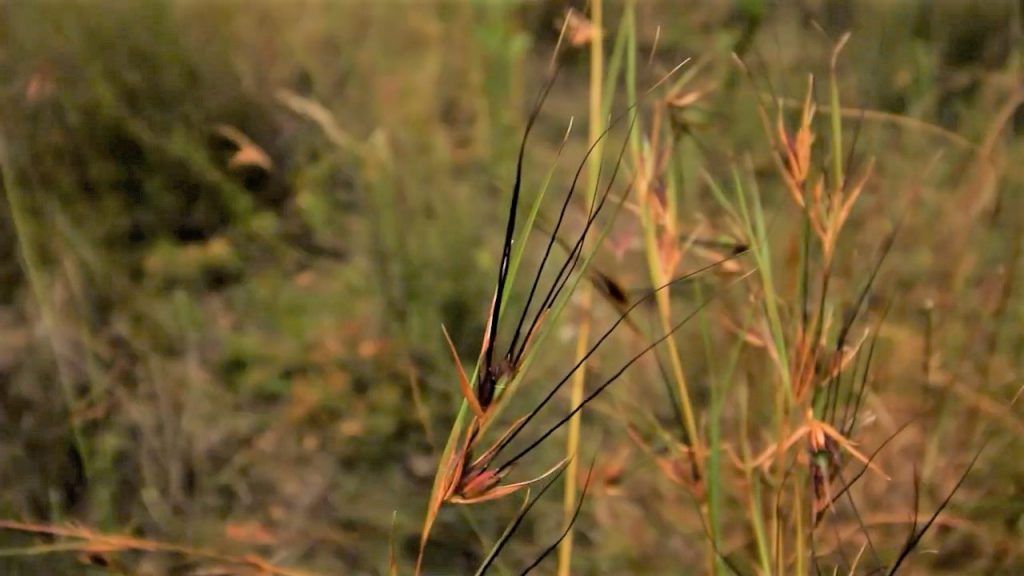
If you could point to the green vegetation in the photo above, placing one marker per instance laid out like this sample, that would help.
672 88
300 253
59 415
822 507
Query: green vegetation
231 234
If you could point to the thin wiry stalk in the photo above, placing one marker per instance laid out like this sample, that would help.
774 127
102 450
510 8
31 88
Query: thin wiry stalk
571 261
844 332
520 366
863 387
492 556
577 248
857 515
871 459
629 111
547 250
569 525
850 420
846 486
859 123
916 535
673 394
486 391
551 393
843 561
483 374
517 254
714 545
597 391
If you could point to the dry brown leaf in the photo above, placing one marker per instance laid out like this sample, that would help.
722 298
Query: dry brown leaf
578 29
249 532
248 153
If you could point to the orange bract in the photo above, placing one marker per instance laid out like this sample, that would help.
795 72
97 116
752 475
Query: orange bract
818 433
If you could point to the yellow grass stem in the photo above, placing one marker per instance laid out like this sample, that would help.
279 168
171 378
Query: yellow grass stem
572 442
798 529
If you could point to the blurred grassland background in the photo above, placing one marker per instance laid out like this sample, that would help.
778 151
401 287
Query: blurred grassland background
231 232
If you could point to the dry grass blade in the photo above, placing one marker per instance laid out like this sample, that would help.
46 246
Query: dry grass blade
90 541
446 480
319 115
247 153
464 386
